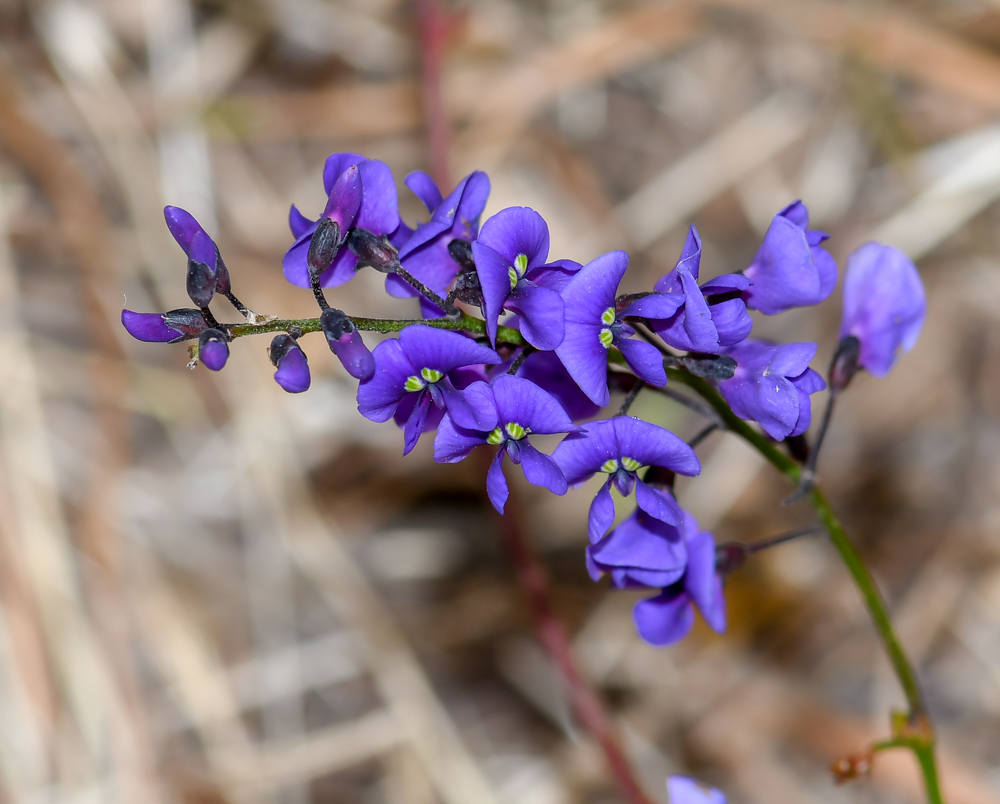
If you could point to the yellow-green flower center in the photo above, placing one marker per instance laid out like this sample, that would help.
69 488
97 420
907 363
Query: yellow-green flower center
608 317
511 430
612 465
431 375
516 271
427 375
495 437
606 337
515 431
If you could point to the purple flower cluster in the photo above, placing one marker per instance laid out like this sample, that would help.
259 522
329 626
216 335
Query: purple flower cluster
555 339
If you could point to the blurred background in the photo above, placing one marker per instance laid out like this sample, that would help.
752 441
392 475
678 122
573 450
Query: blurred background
211 591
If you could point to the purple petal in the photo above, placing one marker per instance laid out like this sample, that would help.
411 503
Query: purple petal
701 331
379 212
682 790
726 283
732 321
555 275
542 315
496 483
581 454
586 359
335 165
214 354
690 261
293 372
494 279
441 350
702 582
826 267
472 412
354 355
379 395
783 272
884 305
514 231
645 360
452 444
295 264
652 445
345 199
299 223
471 204
424 188
547 371
148 327
655 306
202 249
521 401
657 504
541 470
414 426
797 213
182 226
602 513
593 288
644 543
664 619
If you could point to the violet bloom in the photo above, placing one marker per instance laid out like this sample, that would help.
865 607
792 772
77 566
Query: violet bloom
207 273
708 318
642 552
683 790
290 361
511 255
520 409
666 618
361 192
425 253
213 349
149 327
884 305
621 447
413 382
347 344
790 269
772 385
594 325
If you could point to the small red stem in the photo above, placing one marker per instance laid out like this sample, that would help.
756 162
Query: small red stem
552 634
433 25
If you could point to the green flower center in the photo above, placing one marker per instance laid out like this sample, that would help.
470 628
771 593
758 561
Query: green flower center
511 430
515 431
495 437
606 337
612 465
427 375
608 317
516 271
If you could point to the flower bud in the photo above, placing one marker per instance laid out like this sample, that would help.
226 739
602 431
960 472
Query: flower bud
844 365
213 349
346 343
324 246
372 251
711 367
149 327
200 283
191 323
290 360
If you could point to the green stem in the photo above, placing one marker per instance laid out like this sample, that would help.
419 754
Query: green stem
919 735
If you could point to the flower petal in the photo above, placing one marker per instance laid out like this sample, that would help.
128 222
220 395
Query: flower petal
581 454
424 188
379 395
541 470
494 280
452 444
601 514
542 315
414 426
702 582
657 504
521 401
652 445
645 360
517 230
664 619
496 483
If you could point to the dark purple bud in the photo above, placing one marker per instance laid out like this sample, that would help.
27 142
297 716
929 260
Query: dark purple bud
290 360
191 323
461 252
223 284
200 283
844 365
324 246
213 349
373 251
149 327
729 557
711 367
346 343
468 289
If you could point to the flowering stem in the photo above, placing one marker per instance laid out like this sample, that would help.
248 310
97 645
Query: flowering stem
446 305
916 733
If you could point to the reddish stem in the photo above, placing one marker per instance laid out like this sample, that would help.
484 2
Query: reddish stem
552 634
433 25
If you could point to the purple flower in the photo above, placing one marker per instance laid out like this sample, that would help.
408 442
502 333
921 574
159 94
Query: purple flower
594 325
520 409
546 371
621 447
425 253
361 192
682 790
790 269
642 551
149 327
772 385
207 273
666 618
292 367
347 344
708 318
511 255
884 305
413 382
